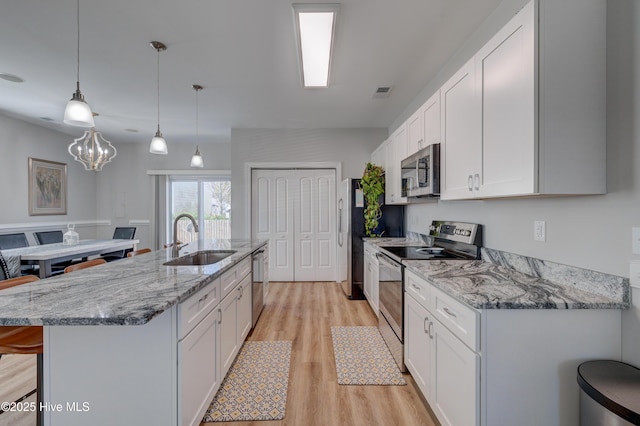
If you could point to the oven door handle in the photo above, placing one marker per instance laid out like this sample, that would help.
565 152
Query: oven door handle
388 261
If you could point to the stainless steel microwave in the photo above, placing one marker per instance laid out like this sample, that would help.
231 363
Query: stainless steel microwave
421 173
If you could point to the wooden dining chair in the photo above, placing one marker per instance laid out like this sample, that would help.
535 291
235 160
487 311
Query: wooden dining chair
24 340
137 252
84 265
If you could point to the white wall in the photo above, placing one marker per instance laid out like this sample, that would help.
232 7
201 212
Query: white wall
591 232
20 140
351 147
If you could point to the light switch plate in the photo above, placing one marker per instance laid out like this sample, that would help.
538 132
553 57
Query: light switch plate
539 230
635 240
634 273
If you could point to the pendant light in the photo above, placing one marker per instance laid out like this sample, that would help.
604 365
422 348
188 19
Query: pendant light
158 144
196 160
78 113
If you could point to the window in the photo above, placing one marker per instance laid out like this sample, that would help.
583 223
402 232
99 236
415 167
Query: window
208 200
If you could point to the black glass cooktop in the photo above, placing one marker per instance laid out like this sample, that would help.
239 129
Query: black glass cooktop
420 252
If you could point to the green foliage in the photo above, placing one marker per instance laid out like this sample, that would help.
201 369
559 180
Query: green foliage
372 185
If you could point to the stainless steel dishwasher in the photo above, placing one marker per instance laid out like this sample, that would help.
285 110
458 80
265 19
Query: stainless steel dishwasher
260 280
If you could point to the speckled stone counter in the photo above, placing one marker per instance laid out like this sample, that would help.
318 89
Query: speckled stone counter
509 281
484 285
131 291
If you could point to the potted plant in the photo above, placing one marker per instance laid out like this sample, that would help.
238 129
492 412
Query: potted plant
372 186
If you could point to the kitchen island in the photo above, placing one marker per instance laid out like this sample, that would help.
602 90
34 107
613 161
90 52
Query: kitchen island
136 341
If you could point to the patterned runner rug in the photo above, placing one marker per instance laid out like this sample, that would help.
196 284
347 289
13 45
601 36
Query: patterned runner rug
256 385
362 357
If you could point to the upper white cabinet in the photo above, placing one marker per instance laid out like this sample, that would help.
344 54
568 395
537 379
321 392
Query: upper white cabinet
378 156
526 115
395 153
460 152
423 127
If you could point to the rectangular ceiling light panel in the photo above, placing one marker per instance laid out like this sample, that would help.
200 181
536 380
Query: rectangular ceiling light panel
315 28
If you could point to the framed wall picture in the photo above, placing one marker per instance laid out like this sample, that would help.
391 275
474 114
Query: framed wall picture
47 187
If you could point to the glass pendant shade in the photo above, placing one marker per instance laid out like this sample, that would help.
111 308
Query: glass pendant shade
158 144
92 150
196 160
78 113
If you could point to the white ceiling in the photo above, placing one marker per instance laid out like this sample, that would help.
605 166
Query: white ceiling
241 51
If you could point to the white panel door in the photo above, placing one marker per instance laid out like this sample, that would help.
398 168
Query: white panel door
272 219
315 228
296 211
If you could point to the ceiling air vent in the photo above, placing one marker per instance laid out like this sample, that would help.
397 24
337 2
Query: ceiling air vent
382 92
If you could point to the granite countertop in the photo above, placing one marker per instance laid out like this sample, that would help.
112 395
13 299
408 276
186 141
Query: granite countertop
484 285
487 285
130 291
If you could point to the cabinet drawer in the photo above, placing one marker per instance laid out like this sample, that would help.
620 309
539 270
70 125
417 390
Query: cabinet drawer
417 287
196 307
462 320
232 278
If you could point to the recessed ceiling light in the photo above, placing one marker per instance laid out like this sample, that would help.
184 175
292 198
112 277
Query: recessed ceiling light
315 28
12 78
131 130
46 119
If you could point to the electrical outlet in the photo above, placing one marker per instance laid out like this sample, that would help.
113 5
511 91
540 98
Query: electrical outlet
539 230
634 273
635 240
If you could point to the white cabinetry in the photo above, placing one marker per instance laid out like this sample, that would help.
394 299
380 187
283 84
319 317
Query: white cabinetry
501 366
234 317
446 370
526 114
371 284
378 156
396 152
423 127
198 378
460 150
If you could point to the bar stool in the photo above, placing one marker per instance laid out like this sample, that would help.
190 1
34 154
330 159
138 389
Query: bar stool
83 265
137 252
24 340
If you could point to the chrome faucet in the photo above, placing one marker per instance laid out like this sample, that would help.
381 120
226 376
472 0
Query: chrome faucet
175 248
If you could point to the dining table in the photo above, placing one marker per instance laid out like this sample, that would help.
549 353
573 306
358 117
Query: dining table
50 254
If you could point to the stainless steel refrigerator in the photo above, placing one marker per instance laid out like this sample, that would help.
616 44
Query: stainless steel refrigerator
351 230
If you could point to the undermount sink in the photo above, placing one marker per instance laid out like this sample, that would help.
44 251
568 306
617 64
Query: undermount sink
205 257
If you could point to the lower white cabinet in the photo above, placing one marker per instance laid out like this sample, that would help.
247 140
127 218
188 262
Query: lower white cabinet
455 378
445 369
198 380
501 366
235 323
370 278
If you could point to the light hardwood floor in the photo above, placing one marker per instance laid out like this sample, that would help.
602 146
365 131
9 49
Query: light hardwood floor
17 378
303 313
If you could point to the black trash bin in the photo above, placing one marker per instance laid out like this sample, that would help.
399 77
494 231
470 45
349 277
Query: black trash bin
609 393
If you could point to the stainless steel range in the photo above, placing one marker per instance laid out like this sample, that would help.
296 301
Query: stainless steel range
451 240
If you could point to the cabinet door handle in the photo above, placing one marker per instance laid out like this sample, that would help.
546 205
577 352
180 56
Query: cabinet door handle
219 316
431 330
449 312
476 180
470 182
425 326
415 286
239 293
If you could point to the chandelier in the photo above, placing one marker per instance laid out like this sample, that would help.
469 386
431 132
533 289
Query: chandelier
92 150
